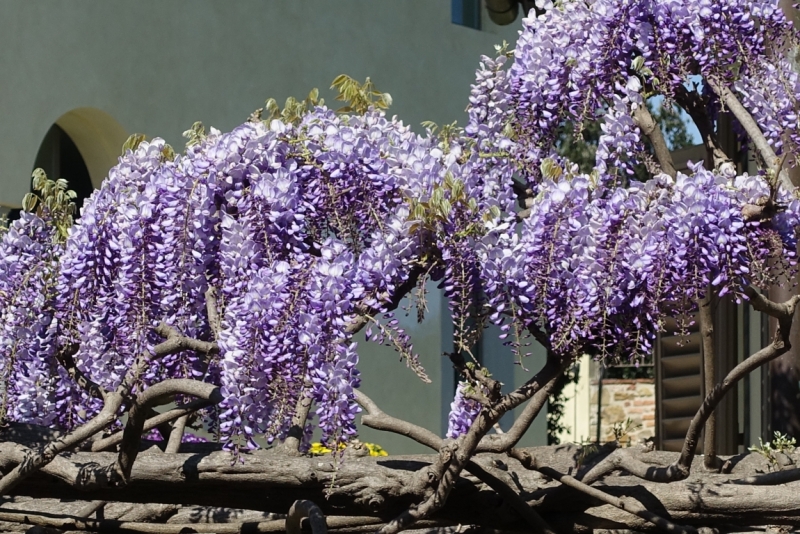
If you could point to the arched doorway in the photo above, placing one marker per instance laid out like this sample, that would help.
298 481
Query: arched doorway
81 146
59 157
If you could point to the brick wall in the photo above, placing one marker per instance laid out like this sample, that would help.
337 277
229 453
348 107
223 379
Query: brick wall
622 399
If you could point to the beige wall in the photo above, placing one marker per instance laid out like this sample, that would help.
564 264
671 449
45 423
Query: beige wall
156 66
578 406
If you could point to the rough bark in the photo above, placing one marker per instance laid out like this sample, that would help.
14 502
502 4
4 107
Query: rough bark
382 487
645 121
706 313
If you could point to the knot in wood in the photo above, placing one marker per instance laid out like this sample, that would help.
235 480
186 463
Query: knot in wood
375 503
499 464
432 477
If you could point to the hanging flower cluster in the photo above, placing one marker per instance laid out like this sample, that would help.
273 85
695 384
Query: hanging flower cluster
463 412
596 267
294 225
598 273
28 256
304 224
575 63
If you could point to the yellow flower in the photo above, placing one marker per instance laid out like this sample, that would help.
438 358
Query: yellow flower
375 449
318 449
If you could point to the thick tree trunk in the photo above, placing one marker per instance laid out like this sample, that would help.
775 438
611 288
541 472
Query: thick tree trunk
382 487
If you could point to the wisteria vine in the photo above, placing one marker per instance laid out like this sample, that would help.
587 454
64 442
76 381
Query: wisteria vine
304 225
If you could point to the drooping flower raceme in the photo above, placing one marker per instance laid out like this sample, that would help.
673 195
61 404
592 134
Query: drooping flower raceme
462 412
28 265
293 225
301 227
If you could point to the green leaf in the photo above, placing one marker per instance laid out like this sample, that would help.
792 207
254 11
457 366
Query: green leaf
168 153
430 125
29 202
445 207
339 80
448 180
550 169
359 97
195 134
457 190
133 142
39 179
437 195
272 109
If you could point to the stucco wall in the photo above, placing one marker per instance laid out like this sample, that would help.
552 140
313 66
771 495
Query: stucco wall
157 66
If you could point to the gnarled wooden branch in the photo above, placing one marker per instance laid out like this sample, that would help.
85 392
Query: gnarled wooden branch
65 356
132 435
297 429
453 458
176 434
752 129
492 478
680 469
645 121
381 487
694 105
379 420
537 390
212 309
778 310
706 319
154 422
72 523
627 504
113 402
305 509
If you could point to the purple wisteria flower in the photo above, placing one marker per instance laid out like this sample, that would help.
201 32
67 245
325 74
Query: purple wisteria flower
463 412
300 227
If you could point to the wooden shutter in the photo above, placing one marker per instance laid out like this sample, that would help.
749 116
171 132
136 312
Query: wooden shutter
679 384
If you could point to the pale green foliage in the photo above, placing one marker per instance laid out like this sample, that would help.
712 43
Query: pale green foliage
447 132
293 110
551 170
427 213
133 142
504 49
359 97
622 429
52 200
637 65
195 134
781 443
588 449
